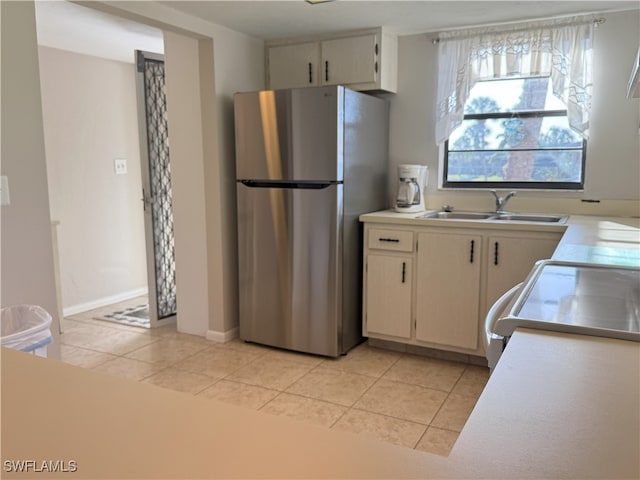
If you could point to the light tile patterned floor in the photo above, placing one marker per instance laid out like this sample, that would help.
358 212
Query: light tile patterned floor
405 399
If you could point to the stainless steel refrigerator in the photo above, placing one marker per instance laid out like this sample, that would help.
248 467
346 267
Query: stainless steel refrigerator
309 161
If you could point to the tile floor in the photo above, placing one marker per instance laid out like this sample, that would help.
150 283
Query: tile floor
405 399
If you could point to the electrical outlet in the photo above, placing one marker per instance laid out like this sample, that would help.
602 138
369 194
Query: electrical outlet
120 166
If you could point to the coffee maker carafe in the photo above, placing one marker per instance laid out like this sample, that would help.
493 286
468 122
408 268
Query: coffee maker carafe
412 181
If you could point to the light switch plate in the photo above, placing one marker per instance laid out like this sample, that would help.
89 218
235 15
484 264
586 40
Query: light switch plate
4 191
120 166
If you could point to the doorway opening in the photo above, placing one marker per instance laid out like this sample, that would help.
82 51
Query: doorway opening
90 109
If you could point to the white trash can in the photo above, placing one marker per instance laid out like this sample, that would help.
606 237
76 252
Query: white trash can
26 328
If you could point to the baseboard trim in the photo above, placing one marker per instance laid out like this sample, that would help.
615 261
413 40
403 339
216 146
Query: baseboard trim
102 302
222 337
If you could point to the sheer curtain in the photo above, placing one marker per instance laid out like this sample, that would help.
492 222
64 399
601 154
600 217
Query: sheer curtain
560 49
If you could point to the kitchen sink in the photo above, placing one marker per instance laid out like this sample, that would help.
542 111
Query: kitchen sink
460 215
526 217
492 216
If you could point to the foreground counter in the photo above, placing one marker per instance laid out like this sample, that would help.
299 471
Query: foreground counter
557 406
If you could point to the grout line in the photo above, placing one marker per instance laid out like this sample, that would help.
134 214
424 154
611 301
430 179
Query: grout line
154 373
279 393
421 437
360 409
215 380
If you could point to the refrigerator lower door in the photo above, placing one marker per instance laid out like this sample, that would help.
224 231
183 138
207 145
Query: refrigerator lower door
290 278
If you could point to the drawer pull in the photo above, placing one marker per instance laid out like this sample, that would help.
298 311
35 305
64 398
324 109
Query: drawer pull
310 72
393 240
495 254
473 243
326 71
404 270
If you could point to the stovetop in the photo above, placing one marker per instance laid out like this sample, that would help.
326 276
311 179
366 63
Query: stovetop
601 300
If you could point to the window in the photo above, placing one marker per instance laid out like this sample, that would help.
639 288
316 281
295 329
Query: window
514 134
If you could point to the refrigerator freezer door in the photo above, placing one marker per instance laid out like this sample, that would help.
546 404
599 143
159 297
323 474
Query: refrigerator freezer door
289 250
289 134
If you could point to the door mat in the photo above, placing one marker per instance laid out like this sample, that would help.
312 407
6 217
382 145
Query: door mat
137 316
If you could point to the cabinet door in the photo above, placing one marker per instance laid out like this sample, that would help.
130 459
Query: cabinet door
349 60
388 295
448 289
511 258
293 66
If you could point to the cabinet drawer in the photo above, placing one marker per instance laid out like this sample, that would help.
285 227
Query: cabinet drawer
396 240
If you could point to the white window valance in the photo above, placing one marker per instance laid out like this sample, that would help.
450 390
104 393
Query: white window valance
560 49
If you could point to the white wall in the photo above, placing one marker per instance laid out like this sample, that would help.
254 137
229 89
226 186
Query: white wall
90 119
27 254
188 180
613 152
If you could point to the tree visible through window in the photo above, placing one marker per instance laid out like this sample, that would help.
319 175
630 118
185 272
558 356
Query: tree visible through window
515 134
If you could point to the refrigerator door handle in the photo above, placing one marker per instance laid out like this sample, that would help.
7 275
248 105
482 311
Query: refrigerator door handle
311 185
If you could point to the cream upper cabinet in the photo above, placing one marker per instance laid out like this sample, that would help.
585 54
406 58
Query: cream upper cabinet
511 257
350 60
448 289
364 60
293 66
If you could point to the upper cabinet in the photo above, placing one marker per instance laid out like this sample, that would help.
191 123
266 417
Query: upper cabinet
349 61
293 66
365 60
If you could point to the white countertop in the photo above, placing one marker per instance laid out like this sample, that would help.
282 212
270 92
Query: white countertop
602 240
557 406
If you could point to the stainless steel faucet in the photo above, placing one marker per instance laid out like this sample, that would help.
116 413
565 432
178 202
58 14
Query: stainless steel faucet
502 201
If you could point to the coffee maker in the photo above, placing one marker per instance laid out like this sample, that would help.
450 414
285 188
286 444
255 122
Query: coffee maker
412 183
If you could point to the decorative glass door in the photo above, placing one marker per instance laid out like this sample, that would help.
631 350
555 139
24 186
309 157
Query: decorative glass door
156 187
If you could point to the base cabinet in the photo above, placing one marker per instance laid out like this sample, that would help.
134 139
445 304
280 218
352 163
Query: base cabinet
448 289
389 282
510 258
432 286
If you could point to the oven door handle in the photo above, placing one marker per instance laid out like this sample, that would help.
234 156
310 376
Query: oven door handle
497 310
493 343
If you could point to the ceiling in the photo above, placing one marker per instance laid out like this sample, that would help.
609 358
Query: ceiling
69 26
278 19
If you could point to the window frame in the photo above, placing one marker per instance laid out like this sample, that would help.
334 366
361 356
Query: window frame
532 185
